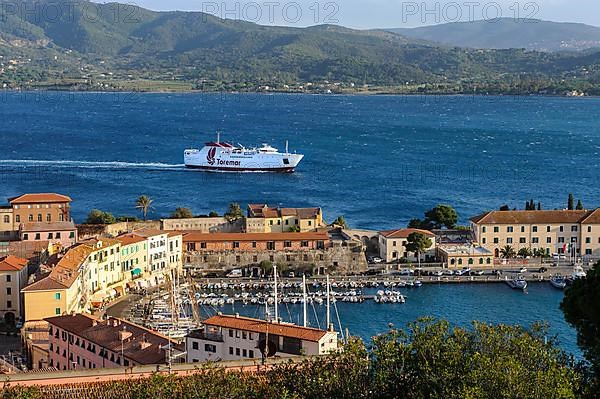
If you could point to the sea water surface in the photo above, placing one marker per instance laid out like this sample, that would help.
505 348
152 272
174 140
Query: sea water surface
377 160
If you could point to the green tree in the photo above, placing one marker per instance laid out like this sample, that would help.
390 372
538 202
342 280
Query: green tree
571 202
418 224
99 217
127 219
213 214
341 222
505 208
507 252
432 359
295 229
539 206
144 204
579 206
182 213
418 243
525 252
234 212
266 266
442 216
581 307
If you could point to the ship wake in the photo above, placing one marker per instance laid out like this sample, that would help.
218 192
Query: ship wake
33 163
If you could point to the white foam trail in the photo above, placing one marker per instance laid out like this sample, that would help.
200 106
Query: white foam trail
88 164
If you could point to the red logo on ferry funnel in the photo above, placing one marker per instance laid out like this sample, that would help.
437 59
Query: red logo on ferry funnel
211 156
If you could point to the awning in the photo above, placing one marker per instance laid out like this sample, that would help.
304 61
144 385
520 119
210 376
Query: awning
120 290
136 272
130 284
96 304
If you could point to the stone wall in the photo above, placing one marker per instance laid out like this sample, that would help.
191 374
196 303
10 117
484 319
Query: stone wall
203 225
336 260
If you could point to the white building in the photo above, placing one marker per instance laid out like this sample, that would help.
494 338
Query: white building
158 249
227 337
392 245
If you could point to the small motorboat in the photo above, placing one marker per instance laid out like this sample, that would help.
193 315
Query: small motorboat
517 283
558 282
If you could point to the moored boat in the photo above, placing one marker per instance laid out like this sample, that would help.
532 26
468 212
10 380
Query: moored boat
558 282
517 283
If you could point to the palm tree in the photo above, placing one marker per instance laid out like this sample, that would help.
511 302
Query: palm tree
144 203
507 252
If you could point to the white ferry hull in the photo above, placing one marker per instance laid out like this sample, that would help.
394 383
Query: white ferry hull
219 159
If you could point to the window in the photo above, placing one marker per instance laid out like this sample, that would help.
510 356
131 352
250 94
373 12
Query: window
589 229
588 251
522 229
9 304
573 228
253 244
50 236
271 245
547 229
37 236
509 240
31 218
57 236
195 345
210 348
18 218
8 291
588 240
304 244
237 351
236 244
244 335
230 350
522 240
573 239
496 229
57 311
245 353
561 239
534 229
48 217
535 240
483 240
561 228
509 229
8 278
251 353
231 333
548 240
39 217
287 244
6 219
483 229
72 234
496 241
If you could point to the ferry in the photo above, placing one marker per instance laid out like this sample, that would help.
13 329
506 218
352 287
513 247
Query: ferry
225 157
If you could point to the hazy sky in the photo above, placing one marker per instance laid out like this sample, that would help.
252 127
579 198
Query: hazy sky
384 13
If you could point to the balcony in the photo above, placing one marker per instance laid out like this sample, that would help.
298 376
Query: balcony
207 336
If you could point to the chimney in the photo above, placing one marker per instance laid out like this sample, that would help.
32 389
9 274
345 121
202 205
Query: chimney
330 327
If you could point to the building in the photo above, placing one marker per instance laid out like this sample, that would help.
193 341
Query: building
392 245
61 233
102 273
81 341
175 251
235 337
264 219
62 291
134 256
158 248
13 277
43 207
203 225
464 255
554 231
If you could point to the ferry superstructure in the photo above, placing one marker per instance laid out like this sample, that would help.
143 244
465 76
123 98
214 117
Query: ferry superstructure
225 157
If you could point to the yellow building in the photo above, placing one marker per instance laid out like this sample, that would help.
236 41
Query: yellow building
392 245
61 292
462 255
552 230
13 277
134 256
264 219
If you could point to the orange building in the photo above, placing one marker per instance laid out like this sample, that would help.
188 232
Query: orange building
44 207
256 241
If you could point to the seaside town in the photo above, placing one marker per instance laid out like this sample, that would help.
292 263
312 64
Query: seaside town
127 294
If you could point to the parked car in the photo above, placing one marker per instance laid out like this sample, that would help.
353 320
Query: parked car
523 270
235 273
449 272
543 269
477 273
377 259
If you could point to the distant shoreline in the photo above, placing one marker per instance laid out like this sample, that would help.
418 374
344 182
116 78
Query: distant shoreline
381 93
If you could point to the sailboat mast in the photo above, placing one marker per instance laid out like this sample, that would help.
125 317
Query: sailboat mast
275 278
328 301
304 299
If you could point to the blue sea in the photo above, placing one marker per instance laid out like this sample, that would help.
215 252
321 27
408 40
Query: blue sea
377 160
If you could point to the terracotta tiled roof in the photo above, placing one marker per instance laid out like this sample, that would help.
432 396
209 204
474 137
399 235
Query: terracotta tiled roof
12 263
264 211
39 198
66 271
27 249
105 333
261 326
106 242
40 226
128 239
404 233
592 218
175 233
226 237
531 217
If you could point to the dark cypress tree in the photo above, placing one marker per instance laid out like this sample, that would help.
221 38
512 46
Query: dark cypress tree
539 206
571 203
579 206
